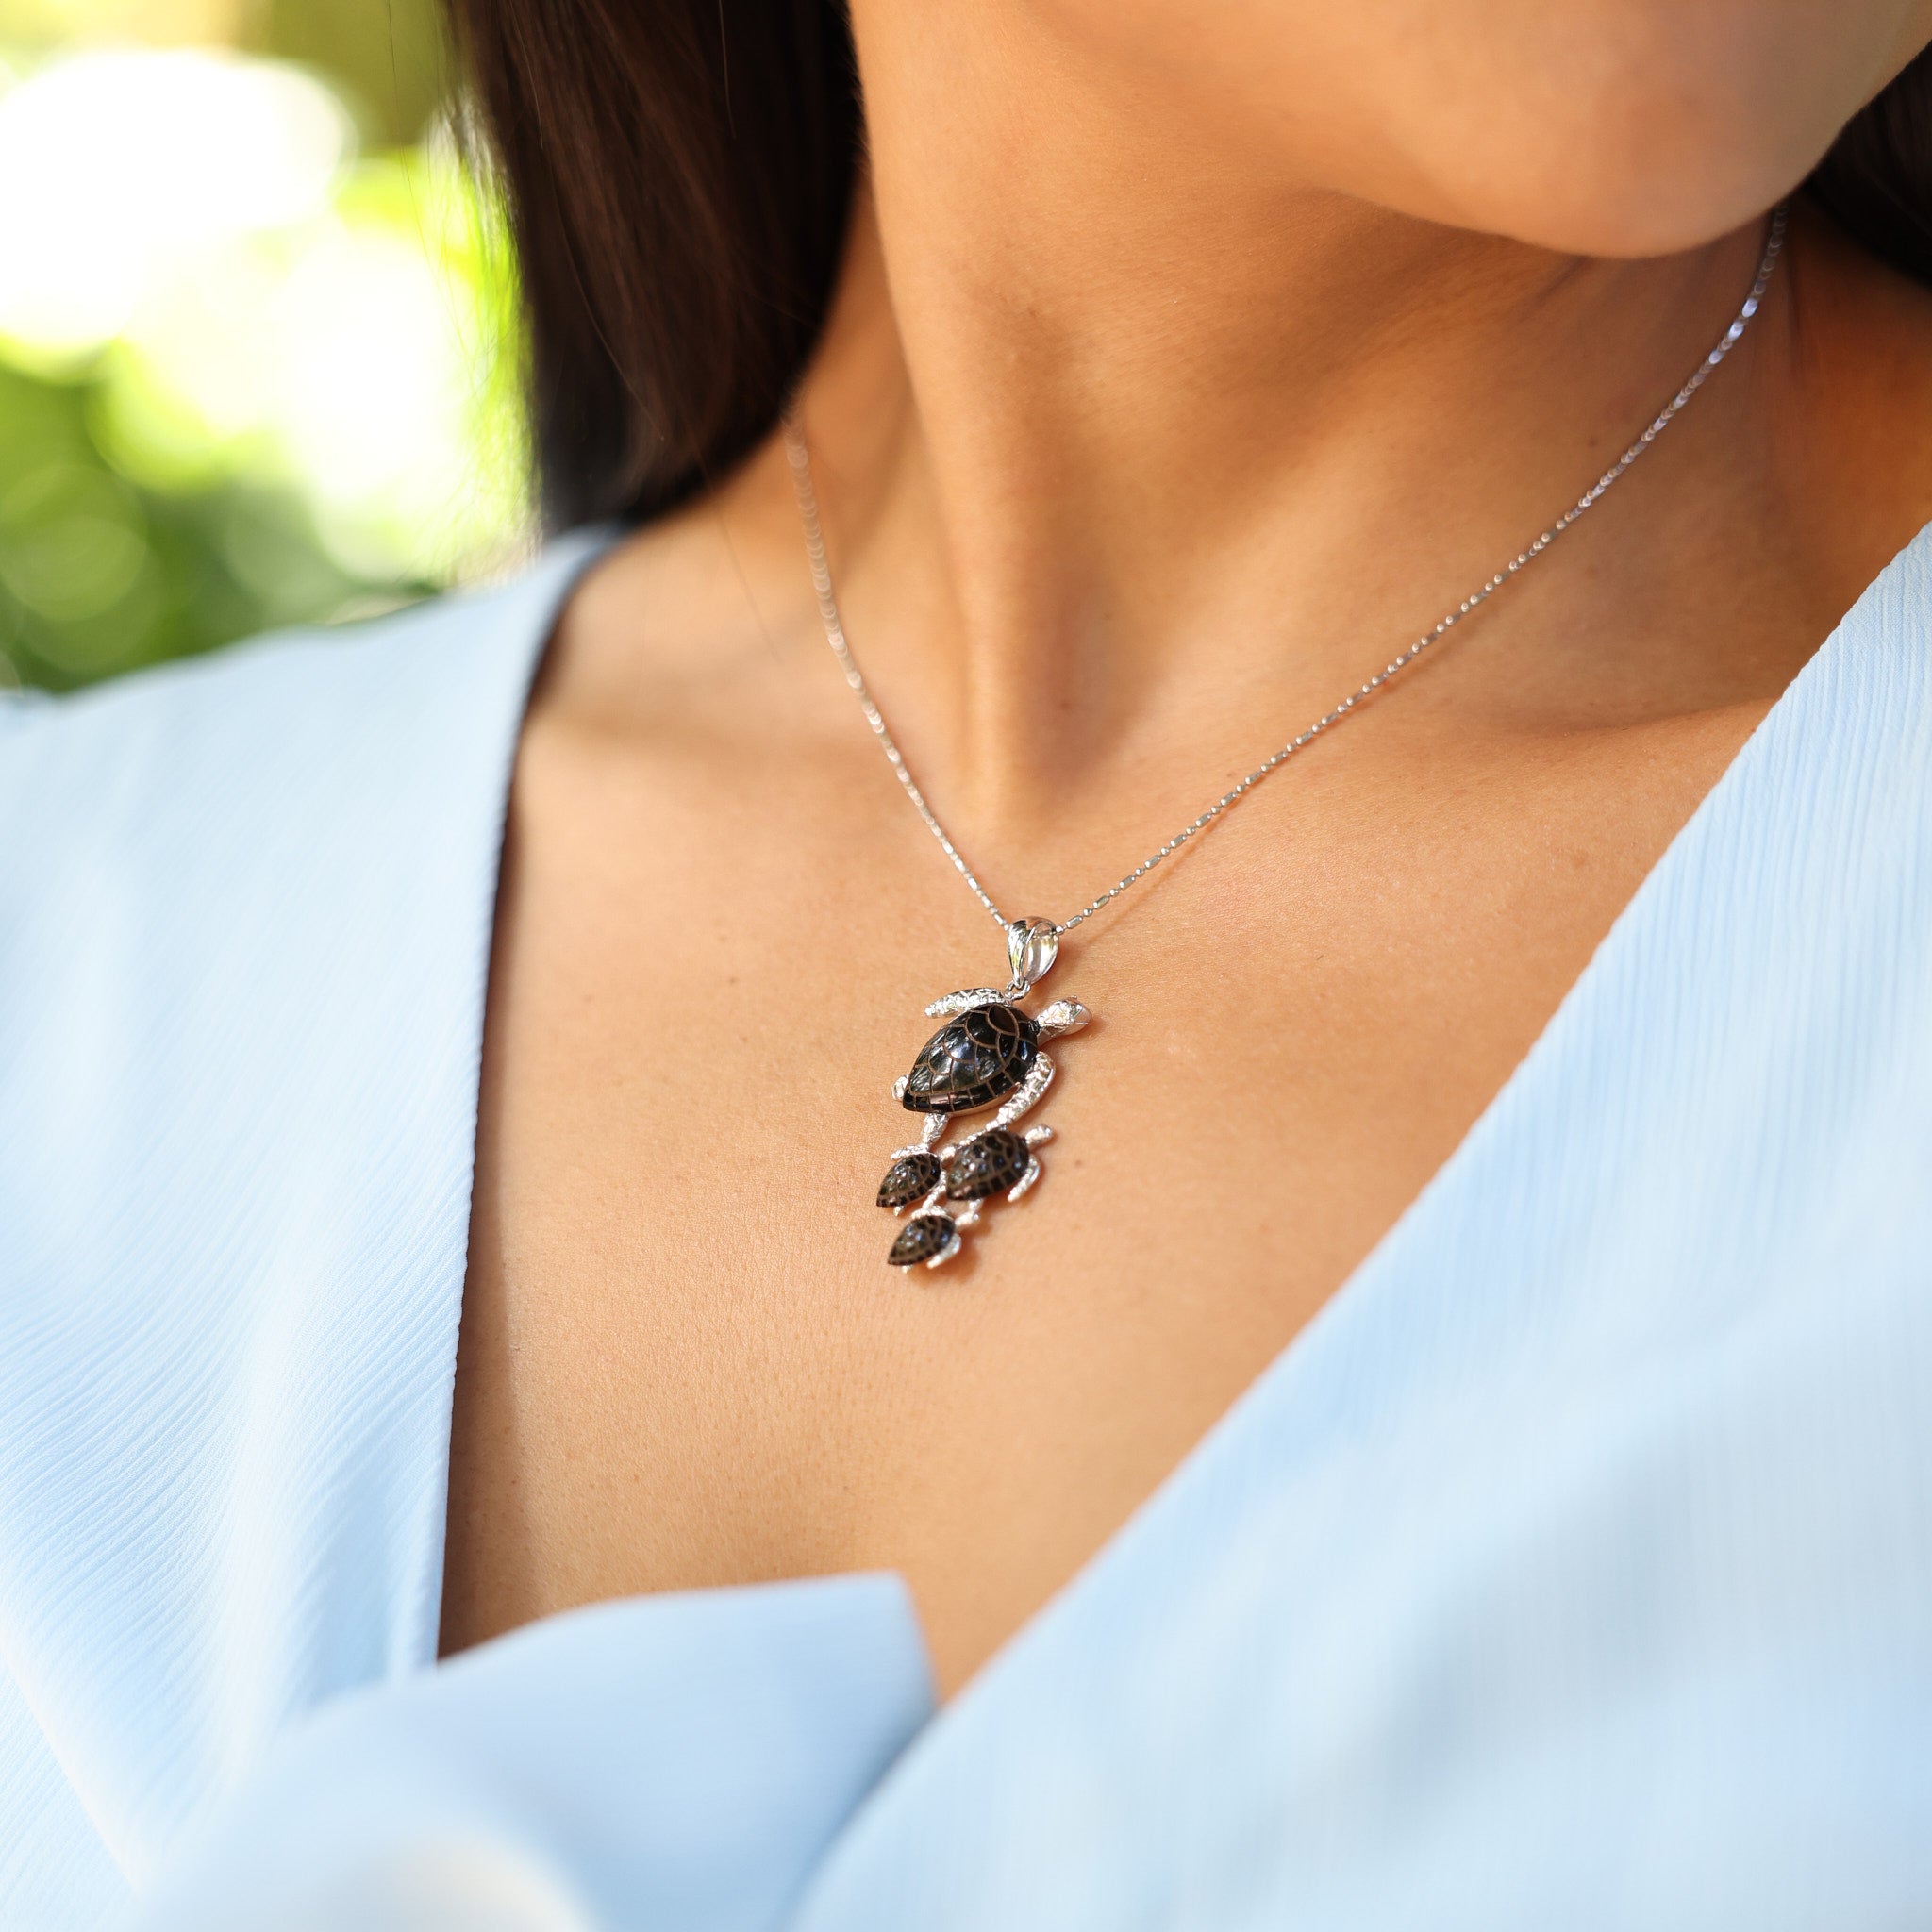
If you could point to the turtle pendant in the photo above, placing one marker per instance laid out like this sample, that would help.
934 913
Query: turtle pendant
986 1054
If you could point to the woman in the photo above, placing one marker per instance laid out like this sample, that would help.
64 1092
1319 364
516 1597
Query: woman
1444 1443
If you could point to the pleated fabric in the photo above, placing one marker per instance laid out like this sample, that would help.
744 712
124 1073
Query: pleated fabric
1574 1567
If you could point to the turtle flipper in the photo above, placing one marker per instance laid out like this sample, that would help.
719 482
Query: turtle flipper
965 1001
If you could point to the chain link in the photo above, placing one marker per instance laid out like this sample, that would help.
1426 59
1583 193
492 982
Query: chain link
835 628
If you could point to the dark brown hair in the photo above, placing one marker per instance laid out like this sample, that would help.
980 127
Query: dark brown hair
679 174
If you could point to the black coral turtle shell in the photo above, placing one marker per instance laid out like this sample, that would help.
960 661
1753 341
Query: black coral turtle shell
990 1164
920 1238
909 1178
971 1060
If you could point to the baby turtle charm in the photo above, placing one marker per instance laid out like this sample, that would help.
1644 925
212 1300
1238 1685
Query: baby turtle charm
909 1178
987 1054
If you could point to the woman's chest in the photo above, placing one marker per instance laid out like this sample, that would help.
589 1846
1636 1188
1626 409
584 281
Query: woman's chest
685 1360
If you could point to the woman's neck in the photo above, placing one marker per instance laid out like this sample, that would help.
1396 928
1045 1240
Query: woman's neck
1119 438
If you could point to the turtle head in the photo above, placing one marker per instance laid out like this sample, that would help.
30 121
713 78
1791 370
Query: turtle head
1064 1016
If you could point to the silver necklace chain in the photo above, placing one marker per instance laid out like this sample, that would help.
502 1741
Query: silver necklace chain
835 628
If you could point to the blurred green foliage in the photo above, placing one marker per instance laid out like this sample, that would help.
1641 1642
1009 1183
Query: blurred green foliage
138 520
98 575
387 58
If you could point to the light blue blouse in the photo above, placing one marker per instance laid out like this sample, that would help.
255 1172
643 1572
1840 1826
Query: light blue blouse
1573 1570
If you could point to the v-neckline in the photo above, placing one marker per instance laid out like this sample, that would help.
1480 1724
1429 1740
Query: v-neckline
1392 1265
1382 1268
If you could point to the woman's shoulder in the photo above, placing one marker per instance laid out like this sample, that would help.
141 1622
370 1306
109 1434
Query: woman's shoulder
252 812
248 722
248 828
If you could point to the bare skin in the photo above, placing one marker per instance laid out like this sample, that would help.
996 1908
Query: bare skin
1119 498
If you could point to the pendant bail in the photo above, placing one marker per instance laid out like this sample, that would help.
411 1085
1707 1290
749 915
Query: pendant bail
1032 946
